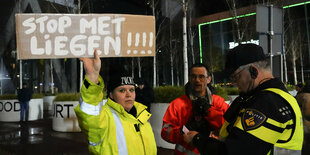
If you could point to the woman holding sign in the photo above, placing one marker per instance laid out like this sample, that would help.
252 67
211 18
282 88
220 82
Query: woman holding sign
119 125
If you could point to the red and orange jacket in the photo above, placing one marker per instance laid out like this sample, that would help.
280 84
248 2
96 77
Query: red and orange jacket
179 113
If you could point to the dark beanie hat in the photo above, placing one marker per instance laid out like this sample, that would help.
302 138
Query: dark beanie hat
140 81
242 54
117 79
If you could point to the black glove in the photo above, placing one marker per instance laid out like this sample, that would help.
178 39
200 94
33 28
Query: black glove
207 145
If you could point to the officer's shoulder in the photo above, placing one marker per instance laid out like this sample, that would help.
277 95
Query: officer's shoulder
271 98
272 105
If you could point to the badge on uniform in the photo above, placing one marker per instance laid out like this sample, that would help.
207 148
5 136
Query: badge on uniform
252 119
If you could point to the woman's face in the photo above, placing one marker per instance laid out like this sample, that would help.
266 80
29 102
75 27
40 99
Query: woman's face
124 95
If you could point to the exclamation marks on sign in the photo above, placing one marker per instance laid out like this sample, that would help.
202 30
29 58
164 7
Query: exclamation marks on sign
129 42
137 42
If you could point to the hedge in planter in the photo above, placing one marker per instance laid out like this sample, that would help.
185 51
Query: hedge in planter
14 96
8 97
71 96
37 95
67 97
166 94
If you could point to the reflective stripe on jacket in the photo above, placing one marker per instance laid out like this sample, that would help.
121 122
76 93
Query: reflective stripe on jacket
293 137
110 129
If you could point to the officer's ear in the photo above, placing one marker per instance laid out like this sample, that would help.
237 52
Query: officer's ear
253 72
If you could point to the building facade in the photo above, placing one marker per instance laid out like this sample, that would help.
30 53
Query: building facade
222 31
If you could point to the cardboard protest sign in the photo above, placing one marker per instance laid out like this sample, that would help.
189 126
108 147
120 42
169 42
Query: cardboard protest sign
44 36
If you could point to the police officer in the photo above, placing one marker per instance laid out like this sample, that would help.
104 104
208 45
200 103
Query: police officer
264 119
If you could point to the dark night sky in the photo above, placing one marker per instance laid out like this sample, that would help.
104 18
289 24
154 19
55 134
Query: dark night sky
203 7
123 6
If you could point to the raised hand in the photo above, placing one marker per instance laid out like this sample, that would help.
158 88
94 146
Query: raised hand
92 67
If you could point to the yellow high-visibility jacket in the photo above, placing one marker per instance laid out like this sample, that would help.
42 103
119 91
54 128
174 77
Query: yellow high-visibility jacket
285 136
109 128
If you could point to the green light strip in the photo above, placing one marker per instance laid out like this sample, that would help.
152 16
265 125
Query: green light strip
199 33
298 4
250 14
230 18
217 21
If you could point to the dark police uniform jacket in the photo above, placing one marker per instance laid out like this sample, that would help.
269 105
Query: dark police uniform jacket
257 122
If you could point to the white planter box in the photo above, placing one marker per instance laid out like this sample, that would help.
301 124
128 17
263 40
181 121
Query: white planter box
35 109
10 110
158 111
64 118
48 104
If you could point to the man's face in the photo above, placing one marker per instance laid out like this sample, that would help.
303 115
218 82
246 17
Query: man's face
141 86
198 80
242 79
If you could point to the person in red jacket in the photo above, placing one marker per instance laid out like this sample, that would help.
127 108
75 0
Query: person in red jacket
197 110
